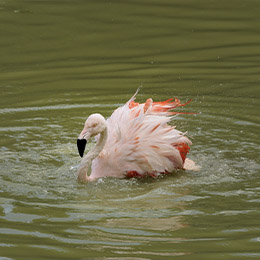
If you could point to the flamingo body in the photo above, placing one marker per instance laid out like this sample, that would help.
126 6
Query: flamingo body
137 141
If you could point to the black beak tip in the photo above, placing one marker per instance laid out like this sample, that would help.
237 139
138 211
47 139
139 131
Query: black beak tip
81 143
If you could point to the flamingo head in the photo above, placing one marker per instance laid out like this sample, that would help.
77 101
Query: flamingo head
94 125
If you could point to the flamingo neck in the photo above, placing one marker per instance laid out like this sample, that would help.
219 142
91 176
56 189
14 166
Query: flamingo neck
91 155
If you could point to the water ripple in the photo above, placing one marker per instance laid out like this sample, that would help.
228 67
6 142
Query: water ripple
55 107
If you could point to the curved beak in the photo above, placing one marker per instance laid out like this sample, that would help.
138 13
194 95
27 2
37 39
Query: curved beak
81 143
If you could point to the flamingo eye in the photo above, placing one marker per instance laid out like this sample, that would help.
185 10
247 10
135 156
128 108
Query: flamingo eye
94 124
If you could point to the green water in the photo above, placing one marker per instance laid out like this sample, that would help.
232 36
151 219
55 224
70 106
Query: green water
63 60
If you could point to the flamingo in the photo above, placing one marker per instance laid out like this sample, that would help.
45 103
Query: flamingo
136 141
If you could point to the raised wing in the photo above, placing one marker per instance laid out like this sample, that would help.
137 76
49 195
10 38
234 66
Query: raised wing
141 141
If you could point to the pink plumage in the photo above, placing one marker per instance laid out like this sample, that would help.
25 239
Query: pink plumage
136 141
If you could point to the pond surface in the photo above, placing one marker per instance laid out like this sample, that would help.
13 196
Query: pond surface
63 60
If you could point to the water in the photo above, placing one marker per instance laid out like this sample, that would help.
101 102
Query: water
63 60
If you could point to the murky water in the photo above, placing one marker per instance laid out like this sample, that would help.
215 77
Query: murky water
63 60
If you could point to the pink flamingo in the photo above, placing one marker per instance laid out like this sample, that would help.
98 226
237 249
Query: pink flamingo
136 141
